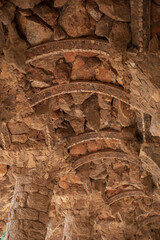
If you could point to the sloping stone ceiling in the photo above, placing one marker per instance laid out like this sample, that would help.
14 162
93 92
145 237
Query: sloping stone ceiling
80 119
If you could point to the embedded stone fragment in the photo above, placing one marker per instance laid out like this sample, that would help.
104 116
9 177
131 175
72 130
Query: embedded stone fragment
62 73
84 68
48 14
74 19
117 10
58 33
105 73
15 49
125 115
77 125
19 138
155 127
120 35
79 98
18 128
104 26
79 149
59 3
3 170
94 146
26 4
104 101
38 202
35 30
7 13
93 10
39 78
26 213
92 113
105 118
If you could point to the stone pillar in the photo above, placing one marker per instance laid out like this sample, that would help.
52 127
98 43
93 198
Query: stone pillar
28 217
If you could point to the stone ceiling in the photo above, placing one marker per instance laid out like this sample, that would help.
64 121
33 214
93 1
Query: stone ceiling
80 119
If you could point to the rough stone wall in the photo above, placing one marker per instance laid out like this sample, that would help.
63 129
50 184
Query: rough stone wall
79 114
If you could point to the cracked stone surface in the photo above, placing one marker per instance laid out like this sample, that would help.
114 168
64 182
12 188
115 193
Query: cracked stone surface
80 120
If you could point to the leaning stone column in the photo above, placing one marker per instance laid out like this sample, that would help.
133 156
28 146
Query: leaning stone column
28 217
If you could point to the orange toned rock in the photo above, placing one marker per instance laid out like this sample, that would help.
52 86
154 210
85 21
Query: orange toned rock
35 30
69 56
94 146
105 74
79 149
84 68
74 19
3 170
112 143
63 184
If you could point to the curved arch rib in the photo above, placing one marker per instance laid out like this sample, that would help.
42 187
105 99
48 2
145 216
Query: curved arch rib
122 195
73 87
102 155
67 46
148 220
72 141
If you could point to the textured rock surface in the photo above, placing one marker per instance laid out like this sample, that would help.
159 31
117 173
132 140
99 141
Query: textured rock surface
74 19
79 120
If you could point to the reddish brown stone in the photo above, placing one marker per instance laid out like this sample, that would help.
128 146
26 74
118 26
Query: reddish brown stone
34 29
117 10
48 14
79 149
104 26
74 19
94 146
62 73
120 35
58 33
105 73
69 57
84 68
